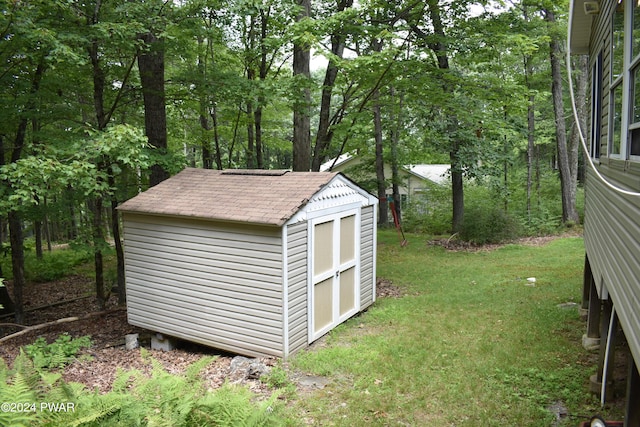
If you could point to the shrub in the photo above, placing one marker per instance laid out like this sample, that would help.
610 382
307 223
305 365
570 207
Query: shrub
488 224
429 213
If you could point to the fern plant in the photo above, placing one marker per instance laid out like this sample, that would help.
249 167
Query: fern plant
232 406
163 399
136 399
21 391
17 388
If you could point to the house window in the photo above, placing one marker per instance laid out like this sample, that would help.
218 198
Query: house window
635 47
634 126
617 41
624 95
615 141
596 107
617 81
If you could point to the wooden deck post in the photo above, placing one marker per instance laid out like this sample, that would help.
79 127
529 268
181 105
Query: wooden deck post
591 340
587 282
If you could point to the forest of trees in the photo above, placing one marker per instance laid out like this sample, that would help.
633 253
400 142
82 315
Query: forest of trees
101 99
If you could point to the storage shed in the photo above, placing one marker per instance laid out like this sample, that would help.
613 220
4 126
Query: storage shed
253 262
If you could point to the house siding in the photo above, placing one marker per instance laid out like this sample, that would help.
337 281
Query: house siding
367 257
297 286
612 242
601 42
206 282
611 230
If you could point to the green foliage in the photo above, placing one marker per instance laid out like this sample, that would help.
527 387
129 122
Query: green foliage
57 354
18 386
24 388
278 378
429 213
164 399
137 399
233 406
493 213
486 223
54 265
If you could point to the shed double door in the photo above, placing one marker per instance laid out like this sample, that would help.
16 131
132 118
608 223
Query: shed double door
335 290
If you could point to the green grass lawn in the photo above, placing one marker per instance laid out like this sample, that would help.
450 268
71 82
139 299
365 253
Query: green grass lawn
471 343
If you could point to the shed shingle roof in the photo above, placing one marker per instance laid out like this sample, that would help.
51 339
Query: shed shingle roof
251 196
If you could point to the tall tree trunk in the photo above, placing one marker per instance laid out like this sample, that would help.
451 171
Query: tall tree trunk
457 188
531 128
99 242
205 145
16 237
383 215
262 74
151 68
102 120
383 211
440 49
251 155
324 134
582 86
216 137
115 230
257 123
505 165
16 240
234 139
569 209
37 232
6 303
395 165
302 107
251 76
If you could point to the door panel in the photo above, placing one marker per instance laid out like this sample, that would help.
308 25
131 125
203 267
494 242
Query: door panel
347 239
335 280
323 304
323 248
347 291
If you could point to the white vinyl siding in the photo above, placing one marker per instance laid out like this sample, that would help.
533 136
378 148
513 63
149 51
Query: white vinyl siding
297 286
367 257
216 285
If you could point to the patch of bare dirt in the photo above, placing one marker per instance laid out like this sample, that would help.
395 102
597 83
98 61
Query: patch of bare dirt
386 289
455 245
